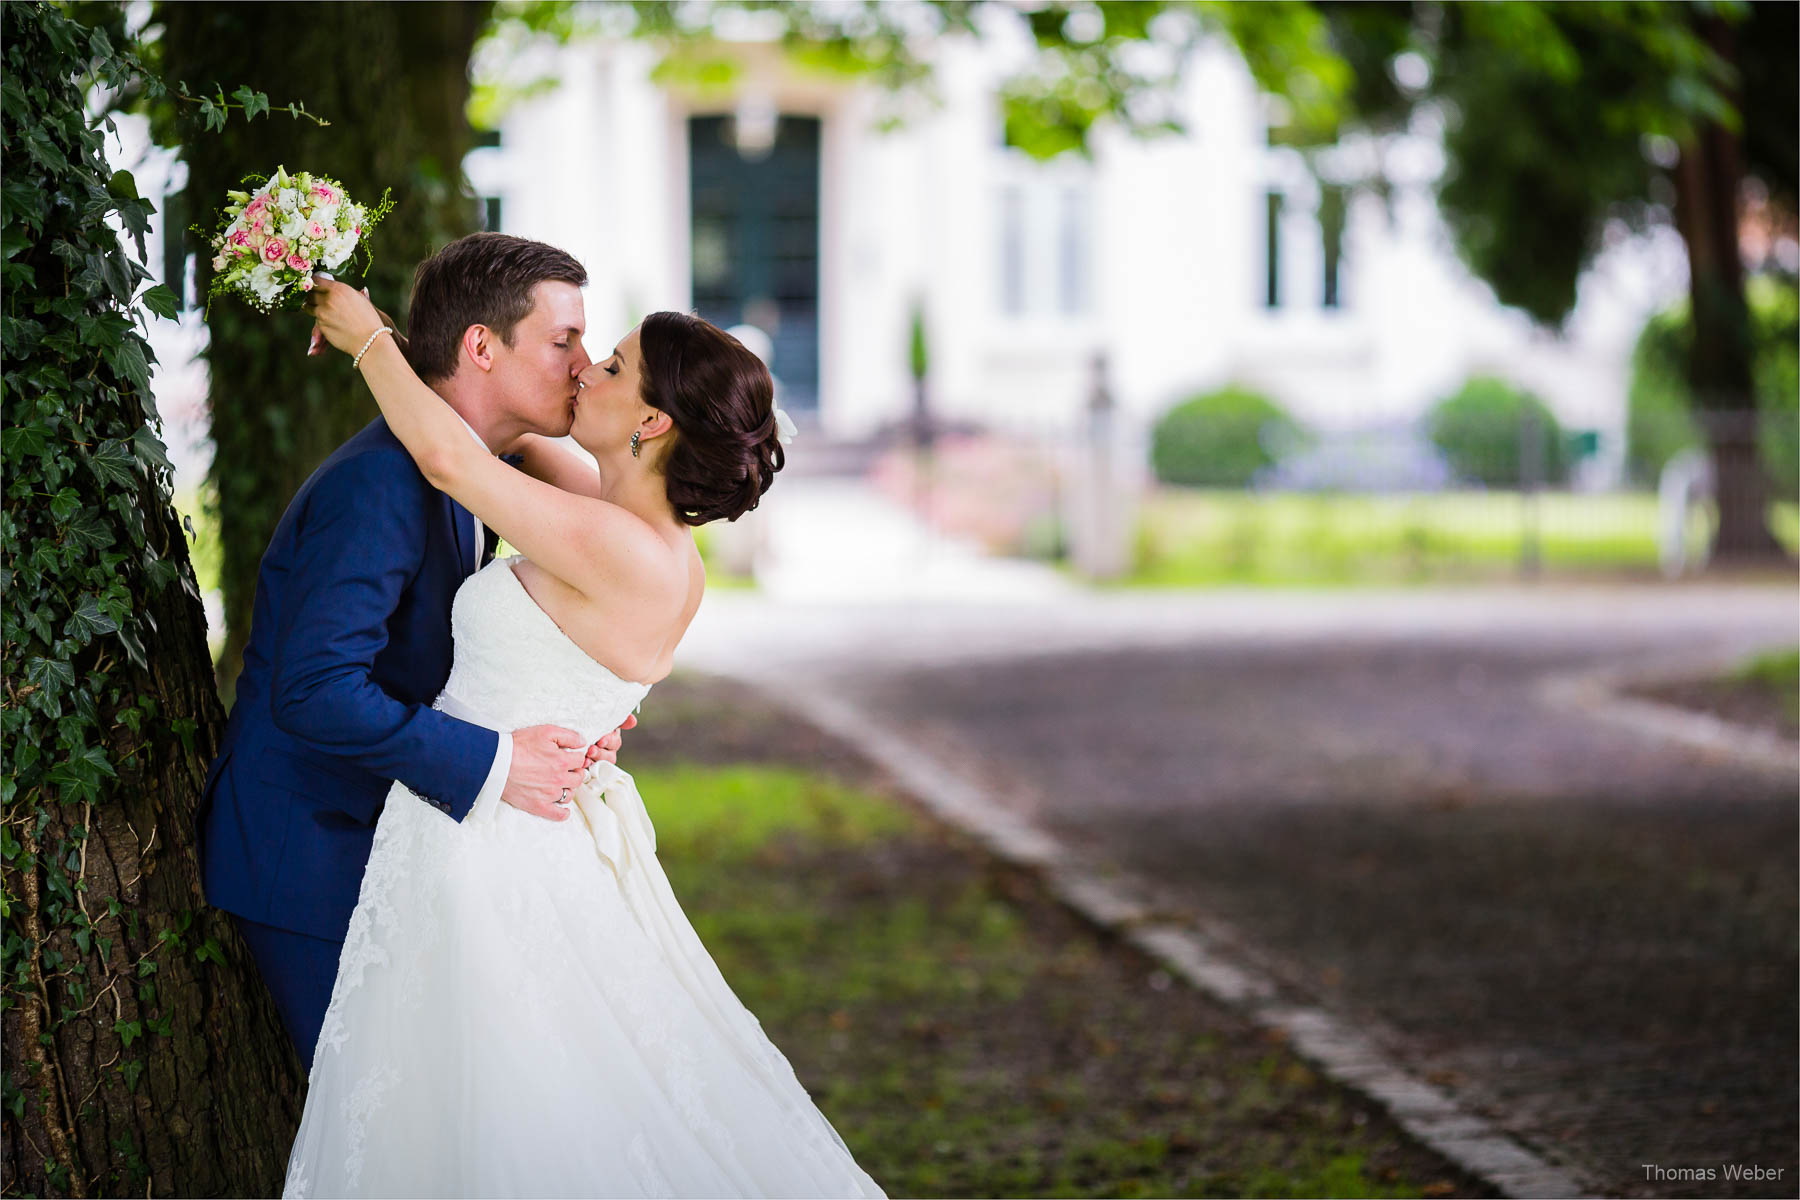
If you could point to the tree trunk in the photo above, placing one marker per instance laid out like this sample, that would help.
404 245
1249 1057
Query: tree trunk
1707 182
142 1052
393 81
167 1071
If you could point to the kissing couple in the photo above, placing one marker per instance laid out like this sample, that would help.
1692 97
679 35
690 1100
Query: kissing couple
416 818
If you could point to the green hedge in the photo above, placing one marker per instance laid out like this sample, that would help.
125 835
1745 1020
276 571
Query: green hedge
1477 430
1659 417
1220 438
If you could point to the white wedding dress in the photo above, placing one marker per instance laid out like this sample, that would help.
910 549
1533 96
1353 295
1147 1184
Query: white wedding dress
522 1008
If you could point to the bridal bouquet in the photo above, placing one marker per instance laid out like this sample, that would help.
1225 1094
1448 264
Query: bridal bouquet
272 239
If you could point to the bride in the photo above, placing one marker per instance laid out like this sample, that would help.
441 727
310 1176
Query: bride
522 1008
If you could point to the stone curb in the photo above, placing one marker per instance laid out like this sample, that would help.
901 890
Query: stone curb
1600 694
1472 1142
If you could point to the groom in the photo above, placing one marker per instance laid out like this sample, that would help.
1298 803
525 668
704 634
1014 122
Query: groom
350 638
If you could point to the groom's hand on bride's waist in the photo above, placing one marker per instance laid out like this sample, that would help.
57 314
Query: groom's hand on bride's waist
607 748
547 763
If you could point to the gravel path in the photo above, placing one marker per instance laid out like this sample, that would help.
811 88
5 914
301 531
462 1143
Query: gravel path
1585 936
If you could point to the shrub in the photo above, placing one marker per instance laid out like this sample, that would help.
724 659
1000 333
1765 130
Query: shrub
1220 439
1478 431
1660 421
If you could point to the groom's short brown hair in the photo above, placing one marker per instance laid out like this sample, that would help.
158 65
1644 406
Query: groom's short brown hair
482 279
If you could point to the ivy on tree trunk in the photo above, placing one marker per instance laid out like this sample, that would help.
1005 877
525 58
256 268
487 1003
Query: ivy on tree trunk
143 1055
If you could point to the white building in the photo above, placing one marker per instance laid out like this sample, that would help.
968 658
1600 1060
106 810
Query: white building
1158 253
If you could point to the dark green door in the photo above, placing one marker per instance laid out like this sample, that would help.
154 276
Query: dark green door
756 243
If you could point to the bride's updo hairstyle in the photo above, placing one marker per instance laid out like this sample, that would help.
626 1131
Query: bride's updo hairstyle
722 402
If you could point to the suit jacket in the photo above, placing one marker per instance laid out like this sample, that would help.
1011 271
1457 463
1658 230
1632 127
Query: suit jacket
349 644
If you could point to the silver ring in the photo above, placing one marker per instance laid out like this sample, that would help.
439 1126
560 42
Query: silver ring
565 797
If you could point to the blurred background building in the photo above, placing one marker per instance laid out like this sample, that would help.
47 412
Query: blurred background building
1190 261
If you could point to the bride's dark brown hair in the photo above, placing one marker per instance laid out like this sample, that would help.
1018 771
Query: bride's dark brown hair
722 401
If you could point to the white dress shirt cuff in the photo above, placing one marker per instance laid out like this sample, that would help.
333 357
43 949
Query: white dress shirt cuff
487 801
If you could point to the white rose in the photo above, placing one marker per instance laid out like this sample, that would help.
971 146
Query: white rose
293 227
338 249
264 284
289 201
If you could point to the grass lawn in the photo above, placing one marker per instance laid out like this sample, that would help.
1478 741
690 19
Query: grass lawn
965 1034
1188 537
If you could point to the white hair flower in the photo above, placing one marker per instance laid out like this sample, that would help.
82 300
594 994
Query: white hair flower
784 427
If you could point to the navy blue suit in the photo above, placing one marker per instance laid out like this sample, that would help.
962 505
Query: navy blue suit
349 644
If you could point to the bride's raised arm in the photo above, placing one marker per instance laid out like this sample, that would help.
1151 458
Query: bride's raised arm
595 547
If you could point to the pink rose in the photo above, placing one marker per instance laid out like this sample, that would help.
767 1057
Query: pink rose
257 204
299 263
306 283
274 250
324 193
256 225
241 238
316 230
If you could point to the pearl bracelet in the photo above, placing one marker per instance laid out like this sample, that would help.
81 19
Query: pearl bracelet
356 363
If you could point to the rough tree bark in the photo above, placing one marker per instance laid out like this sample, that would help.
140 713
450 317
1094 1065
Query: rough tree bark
215 1107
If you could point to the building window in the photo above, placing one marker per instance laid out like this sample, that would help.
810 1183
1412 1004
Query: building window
1012 249
1272 253
1045 244
1332 207
1072 274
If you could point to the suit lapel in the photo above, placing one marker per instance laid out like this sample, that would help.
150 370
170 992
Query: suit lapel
464 525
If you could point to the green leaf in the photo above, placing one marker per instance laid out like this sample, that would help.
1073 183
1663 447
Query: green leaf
150 450
128 359
65 504
23 441
123 185
88 622
161 301
114 464
128 1031
254 102
50 673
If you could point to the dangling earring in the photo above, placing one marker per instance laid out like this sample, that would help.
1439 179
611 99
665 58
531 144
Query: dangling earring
634 443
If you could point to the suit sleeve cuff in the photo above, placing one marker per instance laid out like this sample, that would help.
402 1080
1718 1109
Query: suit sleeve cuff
487 801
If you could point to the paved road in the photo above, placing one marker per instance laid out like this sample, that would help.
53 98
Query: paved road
1588 936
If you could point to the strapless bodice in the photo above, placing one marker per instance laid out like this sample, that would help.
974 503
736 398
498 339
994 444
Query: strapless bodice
515 667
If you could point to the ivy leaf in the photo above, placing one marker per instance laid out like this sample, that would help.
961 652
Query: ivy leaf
24 441
49 673
161 301
150 450
114 464
128 359
123 185
89 622
88 530
65 504
254 102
